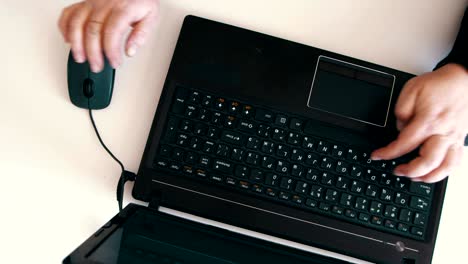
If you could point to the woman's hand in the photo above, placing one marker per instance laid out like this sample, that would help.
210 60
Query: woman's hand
94 27
432 112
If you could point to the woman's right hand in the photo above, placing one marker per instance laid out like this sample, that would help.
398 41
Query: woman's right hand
97 27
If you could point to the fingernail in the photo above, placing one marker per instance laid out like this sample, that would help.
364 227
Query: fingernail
79 58
95 68
375 158
131 50
398 173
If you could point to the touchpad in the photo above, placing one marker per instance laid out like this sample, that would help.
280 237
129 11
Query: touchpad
351 91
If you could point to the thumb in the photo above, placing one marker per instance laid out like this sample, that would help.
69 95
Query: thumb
139 34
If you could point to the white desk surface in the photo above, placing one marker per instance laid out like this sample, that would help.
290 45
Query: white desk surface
58 184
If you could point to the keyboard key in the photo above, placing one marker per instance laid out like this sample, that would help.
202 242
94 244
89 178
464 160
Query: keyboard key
271 192
281 120
231 181
401 199
217 118
207 100
208 147
232 137
297 155
323 147
175 166
284 196
389 224
405 215
223 166
213 133
263 131
402 183
201 173
331 195
311 203
419 219
297 170
338 151
297 199
257 188
247 111
386 179
279 134
324 206
244 185
272 179
217 178
234 107
237 154
352 155
171 129
316 191
342 167
241 171
220 104
328 163
200 129
356 171
191 158
376 220
182 140
191 111
357 187
282 151
328 179
222 150
162 163
386 195
165 151
361 203
402 227
205 161
337 210
308 143
268 162
195 143
282 166
230 122
188 169
372 190
294 138
313 175
178 106
247 126
252 158
253 143
376 208
268 147
286 183
391 212
421 188
364 217
264 115
295 124
346 199
194 97
301 187
350 213
419 203
257 175
417 231
342 183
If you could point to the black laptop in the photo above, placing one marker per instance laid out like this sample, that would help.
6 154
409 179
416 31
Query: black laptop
275 137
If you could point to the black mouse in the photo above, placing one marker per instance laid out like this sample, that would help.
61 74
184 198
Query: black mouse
88 89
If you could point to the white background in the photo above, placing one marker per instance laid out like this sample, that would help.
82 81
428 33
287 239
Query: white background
58 185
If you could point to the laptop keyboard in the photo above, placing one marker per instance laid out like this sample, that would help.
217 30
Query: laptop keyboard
273 155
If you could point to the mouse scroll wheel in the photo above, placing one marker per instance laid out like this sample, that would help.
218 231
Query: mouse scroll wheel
88 88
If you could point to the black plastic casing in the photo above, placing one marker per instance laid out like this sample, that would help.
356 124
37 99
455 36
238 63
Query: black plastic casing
254 67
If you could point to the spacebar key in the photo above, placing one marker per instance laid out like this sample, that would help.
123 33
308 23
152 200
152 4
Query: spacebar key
231 137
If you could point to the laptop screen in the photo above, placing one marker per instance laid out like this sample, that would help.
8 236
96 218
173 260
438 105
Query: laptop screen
351 91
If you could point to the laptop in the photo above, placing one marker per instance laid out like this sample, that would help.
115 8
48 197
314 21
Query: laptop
275 137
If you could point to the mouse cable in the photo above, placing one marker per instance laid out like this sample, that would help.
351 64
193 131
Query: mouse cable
125 175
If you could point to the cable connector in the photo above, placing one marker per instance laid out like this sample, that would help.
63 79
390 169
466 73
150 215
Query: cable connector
124 178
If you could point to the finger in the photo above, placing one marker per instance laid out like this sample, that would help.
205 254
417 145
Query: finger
64 18
432 153
409 139
75 32
404 108
116 28
93 38
453 159
139 35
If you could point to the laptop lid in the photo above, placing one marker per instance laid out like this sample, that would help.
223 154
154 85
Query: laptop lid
222 60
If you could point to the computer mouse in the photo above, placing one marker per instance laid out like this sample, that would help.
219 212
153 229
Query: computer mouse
88 89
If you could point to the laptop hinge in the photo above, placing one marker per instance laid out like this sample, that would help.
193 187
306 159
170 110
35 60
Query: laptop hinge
155 200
